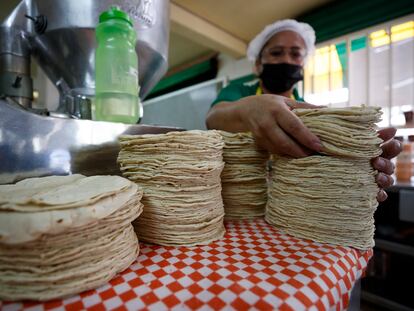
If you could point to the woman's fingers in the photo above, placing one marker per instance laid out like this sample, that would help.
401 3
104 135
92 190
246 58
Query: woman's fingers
387 133
284 144
293 104
264 143
391 149
276 141
383 165
294 127
277 128
384 180
382 196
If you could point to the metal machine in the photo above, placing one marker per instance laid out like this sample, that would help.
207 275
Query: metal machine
60 36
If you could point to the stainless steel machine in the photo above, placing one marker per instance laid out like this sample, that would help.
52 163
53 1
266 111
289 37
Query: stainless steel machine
60 36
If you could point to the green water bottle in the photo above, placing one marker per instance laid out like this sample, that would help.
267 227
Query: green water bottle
116 69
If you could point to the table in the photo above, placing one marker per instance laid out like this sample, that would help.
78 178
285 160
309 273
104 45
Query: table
254 265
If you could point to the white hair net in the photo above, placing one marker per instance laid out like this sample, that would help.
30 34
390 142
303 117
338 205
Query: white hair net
303 29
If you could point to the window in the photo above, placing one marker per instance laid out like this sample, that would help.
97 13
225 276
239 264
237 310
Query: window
325 78
372 67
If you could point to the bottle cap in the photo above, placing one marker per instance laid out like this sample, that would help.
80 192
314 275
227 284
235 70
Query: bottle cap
115 13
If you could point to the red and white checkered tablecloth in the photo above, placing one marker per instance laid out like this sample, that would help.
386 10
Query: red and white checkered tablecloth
255 266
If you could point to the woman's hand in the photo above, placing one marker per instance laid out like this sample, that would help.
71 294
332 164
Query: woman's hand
276 128
390 149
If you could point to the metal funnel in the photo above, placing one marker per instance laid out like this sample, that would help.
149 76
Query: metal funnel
66 48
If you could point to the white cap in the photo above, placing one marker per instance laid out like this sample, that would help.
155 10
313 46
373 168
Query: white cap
303 29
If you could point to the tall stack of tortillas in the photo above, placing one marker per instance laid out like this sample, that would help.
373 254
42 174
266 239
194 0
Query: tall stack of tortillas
243 177
180 174
62 235
330 198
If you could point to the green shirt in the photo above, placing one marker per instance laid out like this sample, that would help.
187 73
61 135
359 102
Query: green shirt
236 90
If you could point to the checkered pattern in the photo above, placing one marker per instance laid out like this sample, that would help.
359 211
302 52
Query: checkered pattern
254 266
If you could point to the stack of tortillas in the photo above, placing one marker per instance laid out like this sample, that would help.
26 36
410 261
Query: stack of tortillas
330 198
243 177
62 235
180 174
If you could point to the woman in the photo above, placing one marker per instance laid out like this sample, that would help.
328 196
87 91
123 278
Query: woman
264 107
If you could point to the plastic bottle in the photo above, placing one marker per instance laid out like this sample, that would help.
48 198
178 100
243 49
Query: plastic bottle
403 169
116 69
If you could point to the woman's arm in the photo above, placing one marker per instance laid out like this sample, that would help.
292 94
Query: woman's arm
278 130
270 119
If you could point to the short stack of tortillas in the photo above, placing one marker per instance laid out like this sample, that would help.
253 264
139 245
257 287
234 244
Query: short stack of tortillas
330 198
243 177
61 235
180 174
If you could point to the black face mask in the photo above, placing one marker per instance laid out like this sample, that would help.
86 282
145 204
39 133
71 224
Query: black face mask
279 78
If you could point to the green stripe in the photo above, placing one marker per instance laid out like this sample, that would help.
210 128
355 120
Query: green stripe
343 59
358 44
181 76
342 17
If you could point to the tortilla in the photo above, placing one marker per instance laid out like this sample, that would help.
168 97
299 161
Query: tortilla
330 198
180 174
55 243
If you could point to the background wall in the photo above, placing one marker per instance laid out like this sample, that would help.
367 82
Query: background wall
232 68
186 108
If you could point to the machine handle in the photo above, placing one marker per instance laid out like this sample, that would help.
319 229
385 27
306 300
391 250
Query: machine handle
40 23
